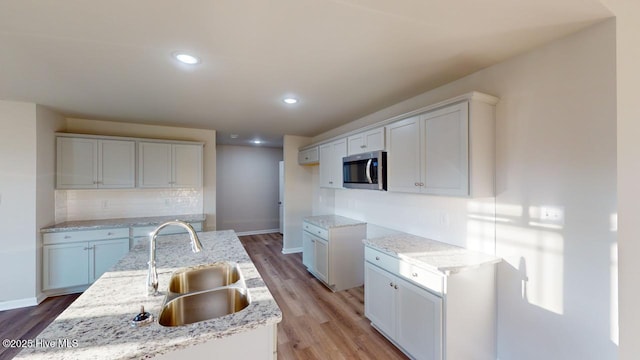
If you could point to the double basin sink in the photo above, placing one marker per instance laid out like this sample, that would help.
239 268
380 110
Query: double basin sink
202 293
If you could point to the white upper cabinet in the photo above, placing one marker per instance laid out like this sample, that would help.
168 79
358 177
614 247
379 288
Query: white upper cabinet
447 151
403 155
445 154
154 165
187 165
372 140
116 164
87 163
308 156
331 155
166 165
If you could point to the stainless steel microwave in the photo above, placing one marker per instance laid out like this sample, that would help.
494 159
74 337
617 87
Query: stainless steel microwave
365 171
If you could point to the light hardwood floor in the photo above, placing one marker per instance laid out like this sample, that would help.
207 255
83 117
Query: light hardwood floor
317 323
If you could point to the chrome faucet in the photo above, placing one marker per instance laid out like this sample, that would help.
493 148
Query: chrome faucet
152 277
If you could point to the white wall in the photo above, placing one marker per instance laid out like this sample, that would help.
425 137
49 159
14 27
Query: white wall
298 190
47 124
18 204
248 182
556 146
628 116
87 204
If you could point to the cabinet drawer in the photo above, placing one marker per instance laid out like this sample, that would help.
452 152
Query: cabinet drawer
427 279
385 261
315 230
84 235
420 276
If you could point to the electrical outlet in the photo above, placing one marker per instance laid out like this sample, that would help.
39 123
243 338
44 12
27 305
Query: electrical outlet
552 214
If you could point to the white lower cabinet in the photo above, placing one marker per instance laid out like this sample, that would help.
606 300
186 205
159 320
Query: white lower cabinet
104 254
78 258
334 255
315 256
321 259
405 313
428 314
65 265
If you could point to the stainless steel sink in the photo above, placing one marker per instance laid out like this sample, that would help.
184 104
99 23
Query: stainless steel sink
205 305
205 277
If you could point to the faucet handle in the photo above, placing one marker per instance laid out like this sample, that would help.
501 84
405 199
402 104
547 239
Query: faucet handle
152 279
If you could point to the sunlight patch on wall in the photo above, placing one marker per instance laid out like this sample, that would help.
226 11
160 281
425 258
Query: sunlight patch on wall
481 226
539 256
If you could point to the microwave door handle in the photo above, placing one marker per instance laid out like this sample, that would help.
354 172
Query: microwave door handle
368 172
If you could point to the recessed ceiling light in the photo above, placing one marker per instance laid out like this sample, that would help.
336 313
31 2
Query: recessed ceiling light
186 58
290 100
257 142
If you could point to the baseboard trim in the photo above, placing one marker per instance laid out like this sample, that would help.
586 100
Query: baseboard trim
292 251
19 303
257 232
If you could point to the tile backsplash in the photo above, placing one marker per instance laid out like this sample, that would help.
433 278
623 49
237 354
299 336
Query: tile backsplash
72 205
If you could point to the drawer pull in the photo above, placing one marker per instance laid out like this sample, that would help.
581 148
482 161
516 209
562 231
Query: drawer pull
391 284
414 274
395 287
377 257
109 233
67 236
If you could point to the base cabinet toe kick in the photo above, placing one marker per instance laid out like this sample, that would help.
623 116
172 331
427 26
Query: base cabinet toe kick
429 314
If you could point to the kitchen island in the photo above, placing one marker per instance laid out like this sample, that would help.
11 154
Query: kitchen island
97 324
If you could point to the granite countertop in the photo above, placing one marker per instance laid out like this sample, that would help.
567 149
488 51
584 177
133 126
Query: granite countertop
119 223
332 221
429 253
99 319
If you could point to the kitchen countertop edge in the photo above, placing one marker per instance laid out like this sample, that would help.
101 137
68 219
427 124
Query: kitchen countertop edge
434 255
332 221
119 223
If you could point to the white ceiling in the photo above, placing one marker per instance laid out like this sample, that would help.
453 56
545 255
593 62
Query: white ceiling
111 60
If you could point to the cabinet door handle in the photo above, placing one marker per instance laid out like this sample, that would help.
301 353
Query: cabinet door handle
414 274
416 184
330 182
88 248
109 233
395 287
67 236
391 284
377 257
421 184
